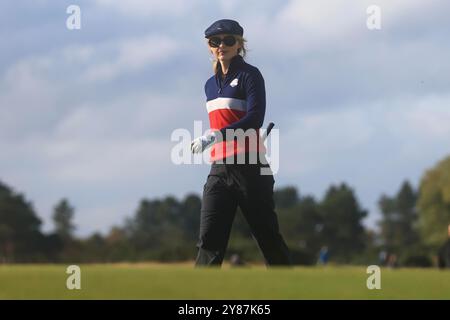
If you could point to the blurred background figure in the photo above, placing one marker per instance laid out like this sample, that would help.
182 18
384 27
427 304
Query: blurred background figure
323 256
382 258
236 260
392 260
444 253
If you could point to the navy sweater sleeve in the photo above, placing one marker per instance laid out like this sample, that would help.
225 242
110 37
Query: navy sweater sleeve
256 104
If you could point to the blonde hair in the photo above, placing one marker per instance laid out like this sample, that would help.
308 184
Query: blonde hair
241 51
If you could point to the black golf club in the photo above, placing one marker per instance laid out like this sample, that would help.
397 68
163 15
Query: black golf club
268 129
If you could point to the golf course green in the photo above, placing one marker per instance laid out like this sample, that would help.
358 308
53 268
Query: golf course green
183 281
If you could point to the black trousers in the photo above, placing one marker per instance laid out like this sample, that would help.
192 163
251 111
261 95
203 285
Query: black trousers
229 186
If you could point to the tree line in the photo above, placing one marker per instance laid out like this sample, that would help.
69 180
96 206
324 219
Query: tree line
413 225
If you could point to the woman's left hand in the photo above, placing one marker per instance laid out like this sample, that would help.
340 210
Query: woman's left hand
201 143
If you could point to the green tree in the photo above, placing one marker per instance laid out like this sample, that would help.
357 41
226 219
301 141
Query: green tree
156 230
434 204
301 224
286 197
63 214
20 236
190 216
399 222
119 245
95 249
342 215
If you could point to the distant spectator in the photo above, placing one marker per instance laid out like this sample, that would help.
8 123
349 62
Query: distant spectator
382 258
392 260
444 253
236 260
323 256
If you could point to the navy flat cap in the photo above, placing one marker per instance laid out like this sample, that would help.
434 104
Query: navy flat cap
224 26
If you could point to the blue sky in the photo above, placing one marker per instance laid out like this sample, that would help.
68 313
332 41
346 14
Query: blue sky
87 114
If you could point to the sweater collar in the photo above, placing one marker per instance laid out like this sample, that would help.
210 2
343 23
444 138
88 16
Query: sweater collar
235 62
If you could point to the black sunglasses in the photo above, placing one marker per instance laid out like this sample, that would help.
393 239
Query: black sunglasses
215 42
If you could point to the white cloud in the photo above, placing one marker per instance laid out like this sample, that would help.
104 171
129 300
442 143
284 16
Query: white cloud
78 53
149 8
421 127
410 128
427 118
132 55
316 139
36 91
230 6
128 116
303 26
25 94
104 161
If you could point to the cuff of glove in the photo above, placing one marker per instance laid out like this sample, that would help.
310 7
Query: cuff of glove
212 136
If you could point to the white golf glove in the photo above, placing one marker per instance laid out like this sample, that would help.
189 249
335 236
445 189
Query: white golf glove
201 143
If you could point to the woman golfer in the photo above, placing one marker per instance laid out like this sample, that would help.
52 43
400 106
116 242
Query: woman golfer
235 97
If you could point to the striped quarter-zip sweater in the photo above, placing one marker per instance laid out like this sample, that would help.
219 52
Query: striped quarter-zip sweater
237 101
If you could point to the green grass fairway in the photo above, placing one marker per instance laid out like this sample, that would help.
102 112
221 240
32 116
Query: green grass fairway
182 281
